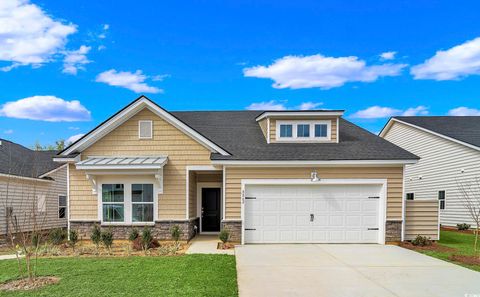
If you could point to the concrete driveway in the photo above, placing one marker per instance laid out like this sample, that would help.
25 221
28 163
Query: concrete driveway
350 270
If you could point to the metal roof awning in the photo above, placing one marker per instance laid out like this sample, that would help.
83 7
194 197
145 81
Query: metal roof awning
108 163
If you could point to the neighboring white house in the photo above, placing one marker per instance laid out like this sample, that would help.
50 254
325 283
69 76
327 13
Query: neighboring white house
449 151
33 190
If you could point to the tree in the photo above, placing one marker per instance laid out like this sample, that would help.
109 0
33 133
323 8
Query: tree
470 196
58 146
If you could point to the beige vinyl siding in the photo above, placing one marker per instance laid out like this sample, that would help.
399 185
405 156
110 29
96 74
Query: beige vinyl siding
440 167
264 126
210 177
333 132
234 175
192 195
182 151
421 218
20 194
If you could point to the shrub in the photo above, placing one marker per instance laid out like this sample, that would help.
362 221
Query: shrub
133 234
463 226
57 236
73 238
137 244
176 232
146 238
96 235
224 235
421 241
107 238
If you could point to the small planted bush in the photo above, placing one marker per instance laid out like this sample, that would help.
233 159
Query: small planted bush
72 242
57 236
462 227
133 234
176 233
146 238
422 241
107 238
224 235
96 235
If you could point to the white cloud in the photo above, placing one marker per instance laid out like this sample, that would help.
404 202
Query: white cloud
376 112
388 55
267 105
73 138
45 108
309 105
101 47
455 63
317 71
464 111
134 81
73 128
28 36
160 77
414 111
9 131
106 27
75 60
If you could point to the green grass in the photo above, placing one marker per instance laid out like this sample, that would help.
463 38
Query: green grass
188 275
461 242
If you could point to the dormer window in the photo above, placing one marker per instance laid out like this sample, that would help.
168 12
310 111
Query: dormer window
301 130
145 129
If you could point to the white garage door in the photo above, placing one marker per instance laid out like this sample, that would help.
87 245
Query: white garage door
312 213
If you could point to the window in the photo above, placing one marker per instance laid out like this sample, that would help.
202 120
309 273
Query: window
62 206
145 129
113 204
321 130
142 203
441 198
303 130
410 196
41 204
285 130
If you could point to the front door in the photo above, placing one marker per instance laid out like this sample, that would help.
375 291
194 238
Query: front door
210 209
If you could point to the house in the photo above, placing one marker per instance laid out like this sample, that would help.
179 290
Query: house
449 148
266 176
33 190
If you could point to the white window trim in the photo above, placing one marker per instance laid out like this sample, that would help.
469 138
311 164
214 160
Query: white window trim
312 124
58 206
151 129
127 182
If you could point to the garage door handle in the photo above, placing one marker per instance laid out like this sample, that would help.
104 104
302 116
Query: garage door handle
370 229
312 217
250 229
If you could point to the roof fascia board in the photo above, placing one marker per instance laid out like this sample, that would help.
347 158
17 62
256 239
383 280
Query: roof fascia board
387 128
52 171
24 177
310 163
127 113
271 114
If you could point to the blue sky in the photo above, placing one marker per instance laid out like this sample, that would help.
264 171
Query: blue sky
68 65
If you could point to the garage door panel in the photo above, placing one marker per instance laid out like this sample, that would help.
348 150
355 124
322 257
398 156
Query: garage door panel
281 213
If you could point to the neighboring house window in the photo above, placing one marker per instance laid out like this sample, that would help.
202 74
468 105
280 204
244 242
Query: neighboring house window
441 198
62 206
142 203
285 131
321 130
113 203
410 196
303 130
145 129
41 203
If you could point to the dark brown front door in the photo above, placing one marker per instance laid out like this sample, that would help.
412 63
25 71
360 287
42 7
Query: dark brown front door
210 209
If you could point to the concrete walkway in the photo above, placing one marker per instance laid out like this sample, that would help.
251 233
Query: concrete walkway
8 257
348 270
207 244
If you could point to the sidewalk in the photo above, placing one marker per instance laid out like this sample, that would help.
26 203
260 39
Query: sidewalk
207 244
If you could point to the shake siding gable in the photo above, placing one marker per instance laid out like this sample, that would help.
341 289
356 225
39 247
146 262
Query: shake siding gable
182 151
444 165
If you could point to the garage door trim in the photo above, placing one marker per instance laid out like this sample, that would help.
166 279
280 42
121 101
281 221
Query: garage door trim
382 215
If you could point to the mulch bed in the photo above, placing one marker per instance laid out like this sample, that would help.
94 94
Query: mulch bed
434 247
25 284
225 246
470 260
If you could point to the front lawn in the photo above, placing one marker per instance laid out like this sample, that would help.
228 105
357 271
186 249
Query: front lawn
188 275
455 243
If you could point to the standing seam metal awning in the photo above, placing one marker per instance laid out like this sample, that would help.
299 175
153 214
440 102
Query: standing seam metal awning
152 162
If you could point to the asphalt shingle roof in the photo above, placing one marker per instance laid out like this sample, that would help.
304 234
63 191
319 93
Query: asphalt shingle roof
466 128
21 161
238 133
